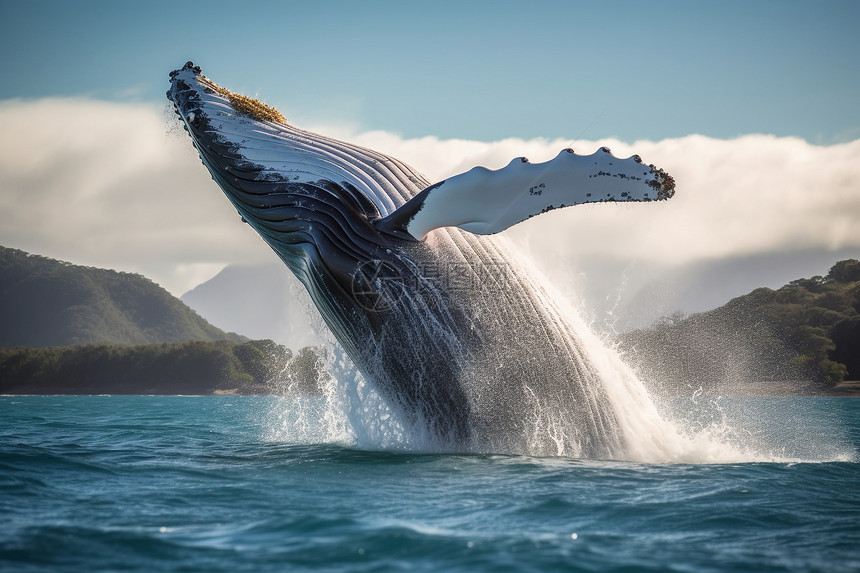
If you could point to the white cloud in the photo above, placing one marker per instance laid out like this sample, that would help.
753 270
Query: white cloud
752 194
106 184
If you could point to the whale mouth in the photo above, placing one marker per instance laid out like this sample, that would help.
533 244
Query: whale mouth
259 159
198 101
268 169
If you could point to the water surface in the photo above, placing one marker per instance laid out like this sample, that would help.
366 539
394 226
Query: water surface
226 483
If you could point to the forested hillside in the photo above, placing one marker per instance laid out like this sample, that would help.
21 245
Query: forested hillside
255 367
72 329
44 302
807 331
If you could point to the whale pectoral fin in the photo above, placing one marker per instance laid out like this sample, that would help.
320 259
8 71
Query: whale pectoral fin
485 202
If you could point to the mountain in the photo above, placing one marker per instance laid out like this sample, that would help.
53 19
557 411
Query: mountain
44 302
260 301
710 284
623 295
804 334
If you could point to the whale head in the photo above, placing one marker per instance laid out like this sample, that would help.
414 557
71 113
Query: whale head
301 192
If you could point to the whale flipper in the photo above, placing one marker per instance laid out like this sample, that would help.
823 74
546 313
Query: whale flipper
485 202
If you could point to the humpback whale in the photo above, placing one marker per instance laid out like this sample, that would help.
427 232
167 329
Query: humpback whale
433 308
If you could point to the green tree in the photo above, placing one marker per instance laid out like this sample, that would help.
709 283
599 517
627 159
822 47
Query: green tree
809 328
845 271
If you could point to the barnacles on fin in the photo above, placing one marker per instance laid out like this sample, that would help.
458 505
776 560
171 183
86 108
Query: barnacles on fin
663 183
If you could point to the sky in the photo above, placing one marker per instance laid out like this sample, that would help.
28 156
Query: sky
751 106
472 70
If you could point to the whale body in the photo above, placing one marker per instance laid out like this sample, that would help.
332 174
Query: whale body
464 345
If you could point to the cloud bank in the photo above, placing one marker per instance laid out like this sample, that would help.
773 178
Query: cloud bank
119 185
752 194
108 185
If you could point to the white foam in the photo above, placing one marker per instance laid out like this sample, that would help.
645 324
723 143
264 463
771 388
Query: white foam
691 430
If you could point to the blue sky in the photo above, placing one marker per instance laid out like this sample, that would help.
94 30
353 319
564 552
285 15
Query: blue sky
474 70
95 170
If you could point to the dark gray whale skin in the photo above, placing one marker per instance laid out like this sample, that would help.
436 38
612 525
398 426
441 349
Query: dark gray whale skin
463 344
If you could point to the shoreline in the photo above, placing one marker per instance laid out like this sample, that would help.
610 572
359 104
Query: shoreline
847 388
850 390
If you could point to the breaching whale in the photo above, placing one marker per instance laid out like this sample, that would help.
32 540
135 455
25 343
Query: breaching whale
465 346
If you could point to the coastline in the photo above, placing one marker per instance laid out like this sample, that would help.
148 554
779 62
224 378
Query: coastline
847 389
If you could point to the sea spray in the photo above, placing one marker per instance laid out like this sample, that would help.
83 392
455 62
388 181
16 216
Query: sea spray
691 429
694 428
352 412
349 412
647 435
648 428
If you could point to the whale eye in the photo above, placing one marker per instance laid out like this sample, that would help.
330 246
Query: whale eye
190 117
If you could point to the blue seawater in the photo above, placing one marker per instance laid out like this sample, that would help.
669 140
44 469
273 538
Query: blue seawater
144 483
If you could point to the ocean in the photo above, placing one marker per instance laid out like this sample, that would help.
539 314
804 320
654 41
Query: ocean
230 483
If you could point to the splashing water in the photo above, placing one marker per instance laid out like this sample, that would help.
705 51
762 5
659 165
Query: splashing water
694 430
686 430
497 367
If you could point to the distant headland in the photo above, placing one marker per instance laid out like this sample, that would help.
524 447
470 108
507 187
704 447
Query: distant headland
69 329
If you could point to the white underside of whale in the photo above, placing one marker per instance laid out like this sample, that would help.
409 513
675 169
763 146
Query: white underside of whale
480 201
485 202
